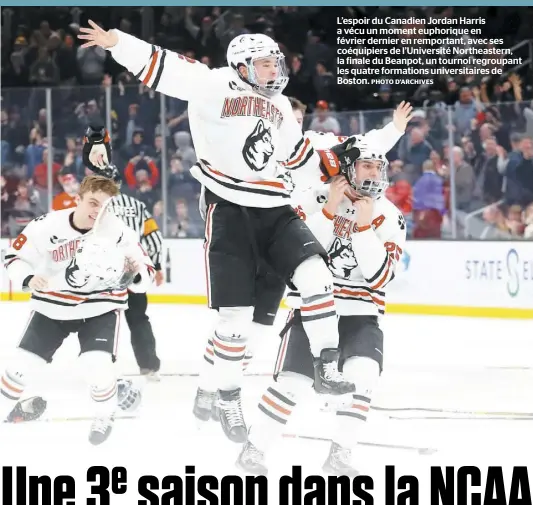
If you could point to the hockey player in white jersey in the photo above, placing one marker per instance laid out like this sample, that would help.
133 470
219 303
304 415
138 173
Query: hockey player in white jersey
78 273
270 289
242 126
364 234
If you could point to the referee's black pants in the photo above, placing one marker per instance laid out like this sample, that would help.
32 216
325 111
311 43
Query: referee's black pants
142 336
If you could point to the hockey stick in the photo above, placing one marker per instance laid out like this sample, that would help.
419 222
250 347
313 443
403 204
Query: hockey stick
377 408
480 413
419 450
478 417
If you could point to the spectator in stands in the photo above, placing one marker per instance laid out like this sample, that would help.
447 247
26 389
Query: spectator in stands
137 147
34 152
499 129
235 28
147 167
400 192
91 64
465 110
354 128
18 60
67 198
323 82
205 39
324 121
493 215
16 134
180 121
413 150
40 175
158 214
464 180
514 221
519 171
156 152
528 222
73 161
428 203
298 80
469 151
24 207
181 182
44 71
182 226
489 181
184 149
144 189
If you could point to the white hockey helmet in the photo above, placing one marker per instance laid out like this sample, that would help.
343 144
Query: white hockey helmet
248 48
370 187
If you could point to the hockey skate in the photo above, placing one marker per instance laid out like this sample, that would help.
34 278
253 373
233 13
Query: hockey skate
204 403
150 375
101 429
27 410
338 462
230 415
328 379
251 460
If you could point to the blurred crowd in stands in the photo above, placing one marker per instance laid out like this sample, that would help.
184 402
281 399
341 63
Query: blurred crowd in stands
489 120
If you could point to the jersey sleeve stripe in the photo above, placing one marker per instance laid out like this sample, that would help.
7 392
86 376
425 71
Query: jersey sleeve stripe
299 155
304 161
153 63
160 71
380 271
138 75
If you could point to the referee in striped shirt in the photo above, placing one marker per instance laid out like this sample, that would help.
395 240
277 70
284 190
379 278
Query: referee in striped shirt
133 212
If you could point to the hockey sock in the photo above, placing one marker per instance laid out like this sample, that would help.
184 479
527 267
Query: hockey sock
352 416
258 332
276 405
319 317
229 345
207 379
99 372
16 378
11 388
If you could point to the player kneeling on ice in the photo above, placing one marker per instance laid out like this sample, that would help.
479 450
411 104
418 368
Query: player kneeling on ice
364 234
78 265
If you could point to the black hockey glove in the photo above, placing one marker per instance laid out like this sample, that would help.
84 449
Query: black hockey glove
338 159
96 148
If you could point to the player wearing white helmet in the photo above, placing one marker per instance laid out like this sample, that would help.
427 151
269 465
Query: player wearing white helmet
242 126
364 234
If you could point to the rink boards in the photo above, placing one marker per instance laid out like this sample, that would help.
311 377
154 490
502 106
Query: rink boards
451 278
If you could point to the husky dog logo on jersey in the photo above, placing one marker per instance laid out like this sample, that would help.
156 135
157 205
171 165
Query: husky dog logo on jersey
258 147
341 258
73 275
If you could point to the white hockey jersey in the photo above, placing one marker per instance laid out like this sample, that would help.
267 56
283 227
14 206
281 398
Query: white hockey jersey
47 247
362 262
244 141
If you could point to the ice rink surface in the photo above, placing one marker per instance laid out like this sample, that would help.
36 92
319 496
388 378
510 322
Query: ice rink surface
459 389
